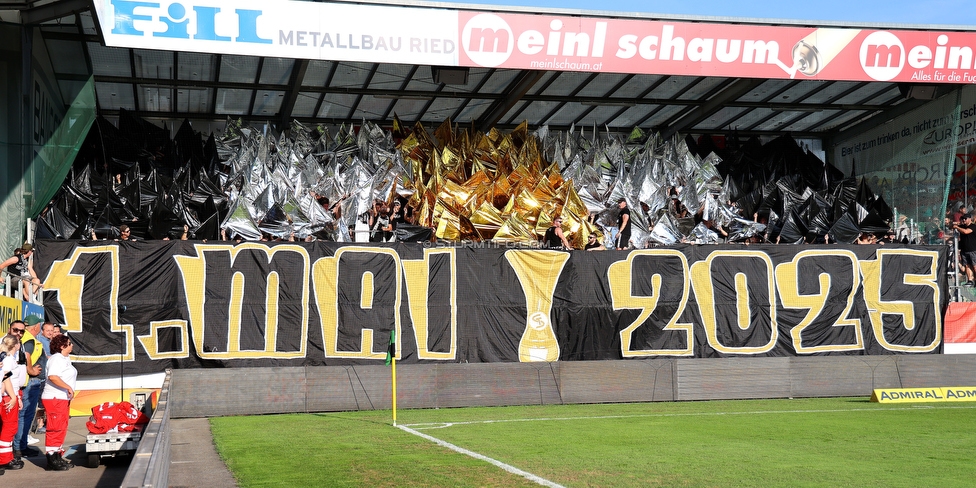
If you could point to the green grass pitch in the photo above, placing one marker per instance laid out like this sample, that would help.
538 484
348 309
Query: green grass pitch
802 442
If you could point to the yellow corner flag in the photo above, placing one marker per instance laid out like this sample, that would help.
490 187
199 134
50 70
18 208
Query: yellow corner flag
391 351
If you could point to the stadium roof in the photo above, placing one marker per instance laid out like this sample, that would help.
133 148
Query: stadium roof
157 84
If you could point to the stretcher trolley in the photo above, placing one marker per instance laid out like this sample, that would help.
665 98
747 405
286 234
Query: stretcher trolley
112 444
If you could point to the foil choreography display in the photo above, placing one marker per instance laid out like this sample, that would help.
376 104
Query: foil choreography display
253 183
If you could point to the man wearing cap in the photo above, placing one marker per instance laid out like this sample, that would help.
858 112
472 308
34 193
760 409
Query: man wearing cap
31 391
967 246
48 331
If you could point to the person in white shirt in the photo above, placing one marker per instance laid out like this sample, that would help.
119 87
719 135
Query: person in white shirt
56 397
14 376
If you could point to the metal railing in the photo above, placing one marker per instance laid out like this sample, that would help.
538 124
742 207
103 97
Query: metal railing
13 287
150 464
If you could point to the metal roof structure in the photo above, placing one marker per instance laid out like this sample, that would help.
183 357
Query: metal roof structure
163 85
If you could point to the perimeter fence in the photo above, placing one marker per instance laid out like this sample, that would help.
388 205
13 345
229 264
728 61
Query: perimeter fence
254 391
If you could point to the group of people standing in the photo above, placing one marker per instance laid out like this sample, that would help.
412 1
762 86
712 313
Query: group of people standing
382 219
34 355
967 246
554 237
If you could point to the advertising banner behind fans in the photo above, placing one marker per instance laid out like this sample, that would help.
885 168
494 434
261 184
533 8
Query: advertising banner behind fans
180 304
909 160
13 138
38 137
961 189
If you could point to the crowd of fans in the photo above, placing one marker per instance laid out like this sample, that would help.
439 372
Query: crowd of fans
903 230
381 221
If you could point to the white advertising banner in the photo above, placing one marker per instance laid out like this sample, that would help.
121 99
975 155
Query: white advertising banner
921 133
451 37
914 161
283 29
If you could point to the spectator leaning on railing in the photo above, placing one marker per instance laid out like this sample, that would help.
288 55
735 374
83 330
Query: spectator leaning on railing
22 265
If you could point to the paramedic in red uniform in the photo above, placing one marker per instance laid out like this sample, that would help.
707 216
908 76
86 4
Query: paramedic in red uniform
57 395
14 376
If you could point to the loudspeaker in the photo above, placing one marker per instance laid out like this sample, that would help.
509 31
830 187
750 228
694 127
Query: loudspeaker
449 76
919 92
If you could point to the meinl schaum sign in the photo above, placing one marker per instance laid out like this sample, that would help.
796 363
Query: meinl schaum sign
448 37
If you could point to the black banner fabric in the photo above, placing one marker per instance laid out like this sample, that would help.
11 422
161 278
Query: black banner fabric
183 304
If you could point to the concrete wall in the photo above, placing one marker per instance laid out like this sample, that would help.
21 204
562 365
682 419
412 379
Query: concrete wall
250 391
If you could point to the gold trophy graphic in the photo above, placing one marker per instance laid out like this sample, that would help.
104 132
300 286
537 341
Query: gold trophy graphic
538 272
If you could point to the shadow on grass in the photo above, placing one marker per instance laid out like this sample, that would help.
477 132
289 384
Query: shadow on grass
354 417
860 400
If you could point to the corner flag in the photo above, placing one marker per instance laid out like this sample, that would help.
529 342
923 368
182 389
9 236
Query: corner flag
391 352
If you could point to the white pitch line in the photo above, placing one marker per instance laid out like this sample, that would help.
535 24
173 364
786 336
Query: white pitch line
506 467
443 425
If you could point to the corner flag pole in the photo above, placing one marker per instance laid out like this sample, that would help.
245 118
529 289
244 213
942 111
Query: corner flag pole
391 361
394 390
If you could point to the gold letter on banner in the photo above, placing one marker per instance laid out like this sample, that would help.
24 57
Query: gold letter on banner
788 284
704 285
71 286
194 273
417 273
874 274
621 275
326 277
151 342
538 272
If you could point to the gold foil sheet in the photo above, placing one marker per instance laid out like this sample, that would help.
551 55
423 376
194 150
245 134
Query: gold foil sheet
482 186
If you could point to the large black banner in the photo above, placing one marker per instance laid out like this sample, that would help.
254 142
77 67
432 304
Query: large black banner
184 304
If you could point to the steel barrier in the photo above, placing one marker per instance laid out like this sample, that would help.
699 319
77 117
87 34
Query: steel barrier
11 286
150 464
